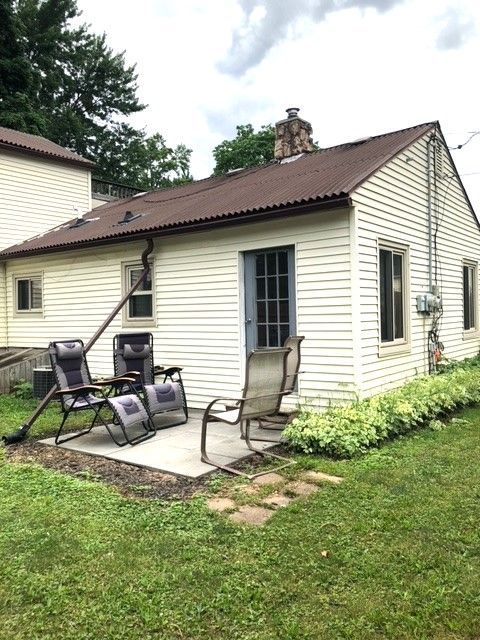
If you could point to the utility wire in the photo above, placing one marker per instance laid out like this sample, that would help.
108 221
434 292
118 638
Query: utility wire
460 146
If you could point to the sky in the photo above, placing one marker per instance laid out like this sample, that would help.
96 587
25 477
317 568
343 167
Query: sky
355 68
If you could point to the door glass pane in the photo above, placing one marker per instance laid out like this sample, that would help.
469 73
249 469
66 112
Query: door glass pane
260 288
261 335
272 288
284 332
272 312
282 262
283 287
273 335
284 311
260 264
261 312
271 264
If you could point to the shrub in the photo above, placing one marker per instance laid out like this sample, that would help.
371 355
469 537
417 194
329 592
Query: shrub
344 431
23 389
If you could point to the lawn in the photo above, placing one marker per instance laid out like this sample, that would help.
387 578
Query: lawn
401 536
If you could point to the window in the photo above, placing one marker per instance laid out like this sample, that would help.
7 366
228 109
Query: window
393 295
469 296
140 306
28 292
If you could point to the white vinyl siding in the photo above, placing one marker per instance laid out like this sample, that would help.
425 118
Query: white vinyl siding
37 194
200 306
392 206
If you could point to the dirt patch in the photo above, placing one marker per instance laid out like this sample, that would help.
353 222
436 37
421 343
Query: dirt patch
129 480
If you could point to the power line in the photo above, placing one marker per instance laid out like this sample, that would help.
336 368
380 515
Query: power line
460 146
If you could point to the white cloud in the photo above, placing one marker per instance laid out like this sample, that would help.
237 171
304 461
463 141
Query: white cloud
364 68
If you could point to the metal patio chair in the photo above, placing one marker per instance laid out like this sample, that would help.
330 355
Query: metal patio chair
78 392
278 421
133 357
262 395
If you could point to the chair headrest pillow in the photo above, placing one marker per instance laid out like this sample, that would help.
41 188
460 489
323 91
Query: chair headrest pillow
69 350
136 351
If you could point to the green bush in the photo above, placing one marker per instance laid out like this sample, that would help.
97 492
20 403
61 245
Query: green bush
23 390
344 431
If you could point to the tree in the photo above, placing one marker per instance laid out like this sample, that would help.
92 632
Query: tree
16 77
81 93
247 149
147 161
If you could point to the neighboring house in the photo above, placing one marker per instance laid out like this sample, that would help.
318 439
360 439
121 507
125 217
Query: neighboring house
41 185
335 245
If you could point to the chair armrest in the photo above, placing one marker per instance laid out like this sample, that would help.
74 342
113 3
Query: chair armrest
113 381
158 370
79 390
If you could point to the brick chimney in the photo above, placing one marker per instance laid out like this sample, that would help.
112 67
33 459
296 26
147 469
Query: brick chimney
292 136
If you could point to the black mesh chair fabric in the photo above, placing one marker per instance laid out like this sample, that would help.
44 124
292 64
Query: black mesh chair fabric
78 392
133 356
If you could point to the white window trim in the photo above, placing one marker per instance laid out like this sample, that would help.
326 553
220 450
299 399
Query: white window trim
473 332
137 322
399 346
27 276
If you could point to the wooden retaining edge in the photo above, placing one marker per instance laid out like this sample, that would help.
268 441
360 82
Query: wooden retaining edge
23 370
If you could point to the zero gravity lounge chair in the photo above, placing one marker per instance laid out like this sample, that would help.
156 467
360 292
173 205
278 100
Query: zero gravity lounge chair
262 395
133 357
78 392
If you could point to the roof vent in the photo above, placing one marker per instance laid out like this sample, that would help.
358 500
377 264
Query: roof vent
79 222
232 172
129 217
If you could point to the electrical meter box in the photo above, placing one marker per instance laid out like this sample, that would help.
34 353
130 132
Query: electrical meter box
429 302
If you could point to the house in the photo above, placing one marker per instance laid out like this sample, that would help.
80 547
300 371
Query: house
42 184
369 249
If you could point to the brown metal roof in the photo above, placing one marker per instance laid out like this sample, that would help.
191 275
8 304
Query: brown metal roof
325 178
36 145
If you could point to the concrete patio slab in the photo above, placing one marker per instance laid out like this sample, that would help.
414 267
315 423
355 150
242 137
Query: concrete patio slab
173 450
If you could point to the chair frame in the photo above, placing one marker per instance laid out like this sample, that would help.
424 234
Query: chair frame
244 422
278 421
82 392
172 373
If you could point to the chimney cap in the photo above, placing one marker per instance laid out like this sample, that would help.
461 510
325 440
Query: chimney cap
292 111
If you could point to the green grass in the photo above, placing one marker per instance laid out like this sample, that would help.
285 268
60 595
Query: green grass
402 536
15 412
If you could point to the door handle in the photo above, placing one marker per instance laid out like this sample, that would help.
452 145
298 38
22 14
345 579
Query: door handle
248 321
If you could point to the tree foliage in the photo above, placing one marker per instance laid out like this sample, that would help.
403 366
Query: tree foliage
17 110
78 92
247 149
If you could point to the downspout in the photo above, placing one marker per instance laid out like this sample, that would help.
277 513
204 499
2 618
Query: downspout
21 433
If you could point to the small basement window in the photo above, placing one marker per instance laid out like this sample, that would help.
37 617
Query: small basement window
470 296
140 307
28 294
